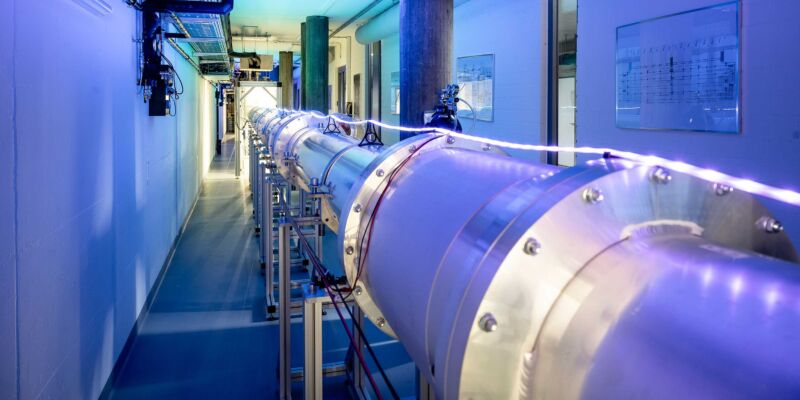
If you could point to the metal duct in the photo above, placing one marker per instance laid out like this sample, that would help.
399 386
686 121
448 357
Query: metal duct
505 279
385 24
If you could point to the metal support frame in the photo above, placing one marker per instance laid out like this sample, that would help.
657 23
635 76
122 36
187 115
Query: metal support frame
285 318
267 242
313 301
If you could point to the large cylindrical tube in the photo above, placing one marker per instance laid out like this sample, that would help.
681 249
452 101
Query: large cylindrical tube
505 279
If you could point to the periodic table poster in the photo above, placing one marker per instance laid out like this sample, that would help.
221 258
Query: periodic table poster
680 72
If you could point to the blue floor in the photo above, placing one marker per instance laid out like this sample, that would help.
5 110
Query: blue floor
206 335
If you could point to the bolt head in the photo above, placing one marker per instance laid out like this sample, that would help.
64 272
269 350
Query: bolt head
380 173
487 147
380 322
357 208
722 190
770 225
358 290
661 176
451 140
532 247
488 323
593 195
349 250
412 149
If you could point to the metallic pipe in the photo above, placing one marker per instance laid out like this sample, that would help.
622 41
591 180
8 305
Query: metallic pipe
192 7
517 280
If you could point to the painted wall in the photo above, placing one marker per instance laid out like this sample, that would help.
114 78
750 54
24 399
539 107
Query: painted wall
390 63
349 54
98 190
512 31
489 27
768 146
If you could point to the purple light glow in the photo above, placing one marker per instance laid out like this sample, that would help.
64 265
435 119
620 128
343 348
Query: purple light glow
717 177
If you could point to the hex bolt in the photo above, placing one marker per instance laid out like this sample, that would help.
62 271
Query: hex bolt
380 322
357 208
532 247
488 323
722 190
770 225
349 250
660 175
592 195
380 173
358 290
450 140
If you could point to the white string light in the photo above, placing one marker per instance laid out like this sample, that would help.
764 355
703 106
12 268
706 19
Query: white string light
746 185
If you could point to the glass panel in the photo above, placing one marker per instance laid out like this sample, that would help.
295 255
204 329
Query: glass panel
567 50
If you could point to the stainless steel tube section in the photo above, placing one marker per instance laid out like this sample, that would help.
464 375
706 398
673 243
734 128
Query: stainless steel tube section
506 279
674 316
422 212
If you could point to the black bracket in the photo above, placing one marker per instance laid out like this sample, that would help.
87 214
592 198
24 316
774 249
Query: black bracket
371 137
332 127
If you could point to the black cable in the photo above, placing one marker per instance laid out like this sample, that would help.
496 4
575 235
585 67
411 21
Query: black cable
325 273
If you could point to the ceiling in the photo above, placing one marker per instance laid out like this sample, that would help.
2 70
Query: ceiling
280 19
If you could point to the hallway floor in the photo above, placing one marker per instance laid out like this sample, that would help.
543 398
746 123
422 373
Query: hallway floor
205 335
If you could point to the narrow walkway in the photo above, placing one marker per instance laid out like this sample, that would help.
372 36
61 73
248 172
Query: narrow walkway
205 335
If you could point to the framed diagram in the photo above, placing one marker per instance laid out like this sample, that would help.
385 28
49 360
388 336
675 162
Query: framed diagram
475 77
680 72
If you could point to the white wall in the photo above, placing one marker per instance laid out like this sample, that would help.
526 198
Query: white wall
390 63
767 148
349 53
512 31
98 188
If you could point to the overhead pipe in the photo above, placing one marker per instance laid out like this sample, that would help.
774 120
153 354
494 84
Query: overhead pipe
385 24
505 279
194 7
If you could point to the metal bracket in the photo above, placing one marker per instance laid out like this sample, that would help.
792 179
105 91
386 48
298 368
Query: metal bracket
332 127
371 137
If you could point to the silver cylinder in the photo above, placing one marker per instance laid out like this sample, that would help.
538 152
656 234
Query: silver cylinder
505 279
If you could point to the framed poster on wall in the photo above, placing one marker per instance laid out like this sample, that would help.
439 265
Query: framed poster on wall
680 72
475 77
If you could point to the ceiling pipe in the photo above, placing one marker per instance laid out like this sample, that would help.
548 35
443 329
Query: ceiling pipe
385 24
196 7
355 18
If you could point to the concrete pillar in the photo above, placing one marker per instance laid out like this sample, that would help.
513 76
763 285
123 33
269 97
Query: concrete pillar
426 57
286 62
303 66
317 64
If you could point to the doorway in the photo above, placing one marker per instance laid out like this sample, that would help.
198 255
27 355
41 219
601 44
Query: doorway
341 95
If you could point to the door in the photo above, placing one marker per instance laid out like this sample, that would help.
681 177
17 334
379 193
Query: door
341 96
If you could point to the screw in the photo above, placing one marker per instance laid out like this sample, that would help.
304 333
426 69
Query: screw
488 323
592 195
660 175
722 190
380 322
451 140
532 247
379 172
358 290
770 225
357 208
349 250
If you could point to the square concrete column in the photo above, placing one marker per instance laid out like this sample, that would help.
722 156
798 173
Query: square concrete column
286 62
316 64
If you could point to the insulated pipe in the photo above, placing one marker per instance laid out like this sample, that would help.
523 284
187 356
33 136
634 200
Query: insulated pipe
194 7
505 279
